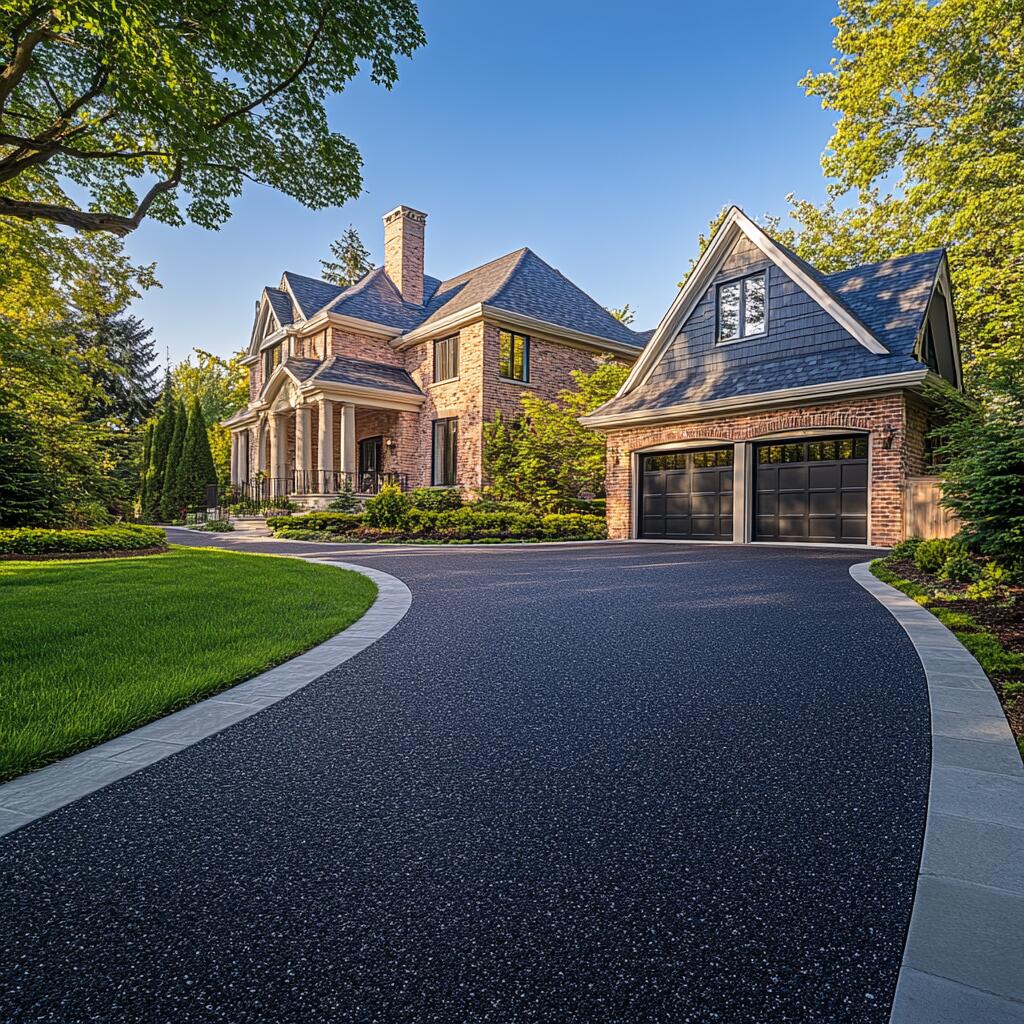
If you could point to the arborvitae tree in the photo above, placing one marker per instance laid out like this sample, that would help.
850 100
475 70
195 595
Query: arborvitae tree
351 261
196 469
171 499
147 452
27 495
163 429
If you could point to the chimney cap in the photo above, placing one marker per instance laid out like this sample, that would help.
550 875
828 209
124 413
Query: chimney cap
404 211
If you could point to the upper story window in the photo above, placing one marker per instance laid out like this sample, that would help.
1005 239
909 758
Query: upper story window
271 359
513 356
742 308
446 358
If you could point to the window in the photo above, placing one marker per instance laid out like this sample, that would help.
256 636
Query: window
271 360
928 356
446 448
741 308
814 451
514 356
446 358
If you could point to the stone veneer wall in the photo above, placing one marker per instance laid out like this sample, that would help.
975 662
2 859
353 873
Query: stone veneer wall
888 468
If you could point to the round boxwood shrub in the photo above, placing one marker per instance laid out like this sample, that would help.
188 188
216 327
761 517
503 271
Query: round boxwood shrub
388 510
123 537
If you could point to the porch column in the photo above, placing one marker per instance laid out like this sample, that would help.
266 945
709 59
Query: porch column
347 441
261 451
277 447
303 449
234 458
325 444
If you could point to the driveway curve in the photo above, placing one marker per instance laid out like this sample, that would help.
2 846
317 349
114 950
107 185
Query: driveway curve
626 783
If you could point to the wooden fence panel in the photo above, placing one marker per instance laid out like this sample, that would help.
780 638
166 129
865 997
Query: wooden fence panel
923 515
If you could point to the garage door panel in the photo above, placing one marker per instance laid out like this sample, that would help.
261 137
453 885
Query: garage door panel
687 495
812 490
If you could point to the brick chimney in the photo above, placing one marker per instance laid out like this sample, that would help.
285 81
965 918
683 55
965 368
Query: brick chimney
404 228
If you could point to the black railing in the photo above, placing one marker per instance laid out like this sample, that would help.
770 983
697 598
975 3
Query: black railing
264 492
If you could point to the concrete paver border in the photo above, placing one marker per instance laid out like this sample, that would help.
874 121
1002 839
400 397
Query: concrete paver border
38 793
963 962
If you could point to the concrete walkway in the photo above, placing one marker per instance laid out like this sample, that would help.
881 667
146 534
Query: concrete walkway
600 783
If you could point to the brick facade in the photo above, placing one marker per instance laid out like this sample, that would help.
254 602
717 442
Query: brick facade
888 467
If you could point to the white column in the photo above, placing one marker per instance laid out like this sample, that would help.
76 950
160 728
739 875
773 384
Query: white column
234 458
303 449
261 450
347 442
742 488
244 471
325 443
277 447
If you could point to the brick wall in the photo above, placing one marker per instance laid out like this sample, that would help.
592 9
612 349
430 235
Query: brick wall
363 346
888 467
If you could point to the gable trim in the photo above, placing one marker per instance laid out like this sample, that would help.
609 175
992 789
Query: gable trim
943 287
737 223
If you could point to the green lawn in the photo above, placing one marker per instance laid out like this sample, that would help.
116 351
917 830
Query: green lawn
92 648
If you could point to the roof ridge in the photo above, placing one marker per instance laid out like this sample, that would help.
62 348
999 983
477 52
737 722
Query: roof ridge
472 270
937 249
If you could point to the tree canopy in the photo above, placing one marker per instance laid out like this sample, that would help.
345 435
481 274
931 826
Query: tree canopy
164 109
350 260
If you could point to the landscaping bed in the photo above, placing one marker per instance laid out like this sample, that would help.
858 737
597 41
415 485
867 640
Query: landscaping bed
91 648
429 516
984 608
101 542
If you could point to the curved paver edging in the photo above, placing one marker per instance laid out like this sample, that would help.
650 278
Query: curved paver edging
963 962
38 793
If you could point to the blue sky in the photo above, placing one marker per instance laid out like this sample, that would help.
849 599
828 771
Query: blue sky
604 137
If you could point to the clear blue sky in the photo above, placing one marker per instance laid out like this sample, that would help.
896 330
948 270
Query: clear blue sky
604 137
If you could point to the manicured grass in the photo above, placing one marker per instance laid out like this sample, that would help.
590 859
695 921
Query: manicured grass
90 649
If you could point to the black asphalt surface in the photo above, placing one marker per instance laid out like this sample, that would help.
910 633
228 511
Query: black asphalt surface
576 784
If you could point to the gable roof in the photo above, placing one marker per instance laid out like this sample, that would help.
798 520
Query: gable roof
519 282
887 301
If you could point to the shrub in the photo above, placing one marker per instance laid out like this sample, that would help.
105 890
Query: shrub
316 535
421 520
992 584
388 510
436 499
346 501
469 522
574 526
959 568
216 526
906 548
991 654
324 522
125 537
932 554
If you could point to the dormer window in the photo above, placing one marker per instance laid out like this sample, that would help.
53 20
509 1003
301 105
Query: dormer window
742 308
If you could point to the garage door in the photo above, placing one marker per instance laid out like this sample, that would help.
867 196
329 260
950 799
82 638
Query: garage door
687 495
814 490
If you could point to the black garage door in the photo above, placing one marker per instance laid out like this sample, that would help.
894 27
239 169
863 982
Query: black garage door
813 490
687 495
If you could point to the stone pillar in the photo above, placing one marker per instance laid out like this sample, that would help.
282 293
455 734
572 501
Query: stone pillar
303 448
325 444
347 440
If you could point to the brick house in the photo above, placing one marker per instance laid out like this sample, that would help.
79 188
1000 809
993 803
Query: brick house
776 403
393 378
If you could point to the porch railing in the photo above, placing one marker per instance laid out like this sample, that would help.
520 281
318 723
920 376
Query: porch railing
264 491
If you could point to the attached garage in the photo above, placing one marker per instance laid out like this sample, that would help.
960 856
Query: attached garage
814 491
687 495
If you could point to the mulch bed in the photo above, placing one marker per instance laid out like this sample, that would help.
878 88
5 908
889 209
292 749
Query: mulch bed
54 555
1005 620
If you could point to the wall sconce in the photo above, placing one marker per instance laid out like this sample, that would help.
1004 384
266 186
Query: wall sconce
888 436
389 443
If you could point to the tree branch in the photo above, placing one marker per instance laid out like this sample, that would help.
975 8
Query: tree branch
13 73
82 220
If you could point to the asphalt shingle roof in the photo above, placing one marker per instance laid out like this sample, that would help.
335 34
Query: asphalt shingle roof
281 304
366 374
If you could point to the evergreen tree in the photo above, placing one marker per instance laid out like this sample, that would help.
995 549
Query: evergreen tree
124 367
171 498
27 495
351 262
195 470
163 429
147 453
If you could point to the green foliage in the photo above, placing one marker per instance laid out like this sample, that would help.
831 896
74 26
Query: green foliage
624 314
171 497
992 656
905 548
26 489
351 260
185 102
388 509
931 555
436 499
959 567
216 526
573 526
346 501
37 541
913 590
993 584
153 483
984 475
546 457
324 522
195 468
956 621
927 144
313 535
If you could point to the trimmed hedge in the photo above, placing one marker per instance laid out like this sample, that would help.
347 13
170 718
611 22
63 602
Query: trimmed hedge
124 537
326 522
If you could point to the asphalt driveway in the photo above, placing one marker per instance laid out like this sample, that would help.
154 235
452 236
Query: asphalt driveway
598 783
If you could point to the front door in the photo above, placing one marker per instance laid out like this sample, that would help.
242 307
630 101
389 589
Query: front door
371 461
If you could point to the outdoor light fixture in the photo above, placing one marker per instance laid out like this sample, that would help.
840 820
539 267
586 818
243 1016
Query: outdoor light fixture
389 443
889 436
